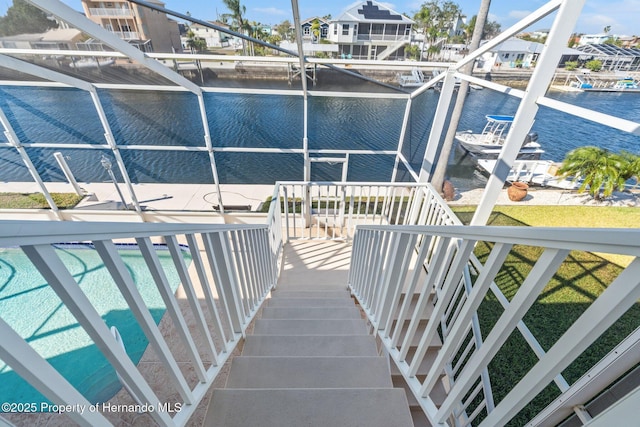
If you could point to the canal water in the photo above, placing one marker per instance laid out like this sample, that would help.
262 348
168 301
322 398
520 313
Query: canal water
55 115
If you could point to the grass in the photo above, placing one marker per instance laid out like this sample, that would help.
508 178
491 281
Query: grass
562 216
37 200
577 283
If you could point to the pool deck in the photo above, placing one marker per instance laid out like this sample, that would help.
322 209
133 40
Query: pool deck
199 200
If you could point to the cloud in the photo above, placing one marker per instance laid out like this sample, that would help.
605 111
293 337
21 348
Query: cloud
271 11
519 14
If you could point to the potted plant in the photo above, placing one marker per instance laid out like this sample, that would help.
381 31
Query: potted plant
517 191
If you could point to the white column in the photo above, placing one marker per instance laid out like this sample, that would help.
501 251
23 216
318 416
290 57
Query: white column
563 26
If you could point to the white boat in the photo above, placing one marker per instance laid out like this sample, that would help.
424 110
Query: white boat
539 172
489 143
92 63
415 79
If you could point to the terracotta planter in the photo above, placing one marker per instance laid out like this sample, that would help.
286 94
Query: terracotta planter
517 191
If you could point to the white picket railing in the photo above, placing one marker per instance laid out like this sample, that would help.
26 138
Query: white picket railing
431 262
241 259
332 210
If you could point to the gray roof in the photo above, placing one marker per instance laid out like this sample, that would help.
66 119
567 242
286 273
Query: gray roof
518 45
372 12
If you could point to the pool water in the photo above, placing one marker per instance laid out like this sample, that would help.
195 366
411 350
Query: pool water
34 310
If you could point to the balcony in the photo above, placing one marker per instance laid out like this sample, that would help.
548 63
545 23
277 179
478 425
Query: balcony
383 37
108 12
127 35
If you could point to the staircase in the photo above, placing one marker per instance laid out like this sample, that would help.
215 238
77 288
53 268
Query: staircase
310 360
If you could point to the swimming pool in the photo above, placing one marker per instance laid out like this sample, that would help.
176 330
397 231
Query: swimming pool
33 309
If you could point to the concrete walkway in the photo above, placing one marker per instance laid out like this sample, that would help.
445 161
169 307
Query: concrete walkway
181 197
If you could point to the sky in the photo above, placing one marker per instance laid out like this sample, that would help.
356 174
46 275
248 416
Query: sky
623 16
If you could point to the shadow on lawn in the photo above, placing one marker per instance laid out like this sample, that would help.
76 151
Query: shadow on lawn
581 278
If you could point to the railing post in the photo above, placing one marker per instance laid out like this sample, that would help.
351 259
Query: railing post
225 278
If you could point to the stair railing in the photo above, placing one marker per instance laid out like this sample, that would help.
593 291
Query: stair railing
236 267
332 210
385 265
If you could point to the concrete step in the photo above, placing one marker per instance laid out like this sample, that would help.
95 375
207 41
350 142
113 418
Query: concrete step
438 394
309 294
311 313
307 345
309 372
311 287
426 314
310 327
436 342
419 418
426 364
310 302
297 407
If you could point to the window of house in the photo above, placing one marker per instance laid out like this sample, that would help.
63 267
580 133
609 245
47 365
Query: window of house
335 30
323 31
345 29
506 56
306 31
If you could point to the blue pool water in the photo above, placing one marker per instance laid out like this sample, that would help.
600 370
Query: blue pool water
33 309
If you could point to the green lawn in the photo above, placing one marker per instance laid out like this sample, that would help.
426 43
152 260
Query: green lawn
579 281
37 200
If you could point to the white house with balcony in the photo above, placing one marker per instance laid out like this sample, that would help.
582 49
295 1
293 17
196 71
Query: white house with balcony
150 31
370 30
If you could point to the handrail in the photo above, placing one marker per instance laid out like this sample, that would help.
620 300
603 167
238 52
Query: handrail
444 254
242 261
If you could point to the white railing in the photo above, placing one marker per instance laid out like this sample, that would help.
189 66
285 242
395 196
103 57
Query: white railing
236 267
110 11
383 37
430 262
127 35
332 210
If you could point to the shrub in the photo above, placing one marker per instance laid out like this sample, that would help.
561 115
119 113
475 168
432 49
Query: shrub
571 65
594 65
599 169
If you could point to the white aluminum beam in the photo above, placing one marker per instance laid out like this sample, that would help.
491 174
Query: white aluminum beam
437 126
35 70
27 363
619 360
79 21
616 299
561 30
14 141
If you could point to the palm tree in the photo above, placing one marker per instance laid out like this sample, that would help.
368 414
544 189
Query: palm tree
599 169
437 180
238 23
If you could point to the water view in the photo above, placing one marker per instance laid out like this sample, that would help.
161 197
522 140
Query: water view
67 116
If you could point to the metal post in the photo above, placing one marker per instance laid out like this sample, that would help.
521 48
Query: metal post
13 139
564 23
108 135
67 172
106 164
403 133
437 127
212 157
